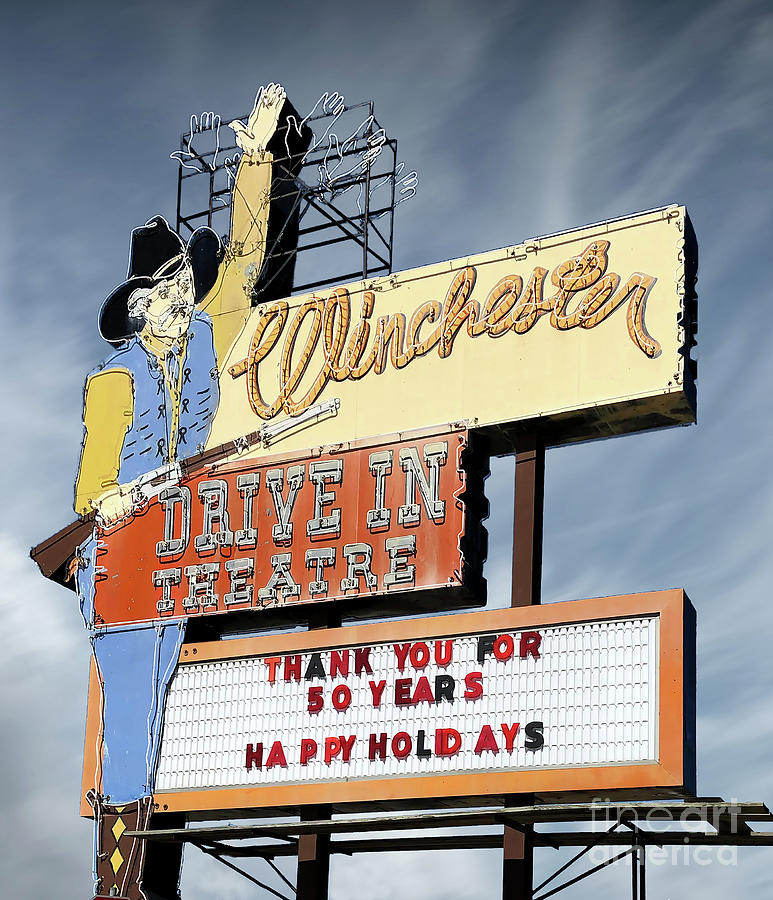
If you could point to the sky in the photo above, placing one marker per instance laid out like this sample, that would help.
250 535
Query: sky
520 119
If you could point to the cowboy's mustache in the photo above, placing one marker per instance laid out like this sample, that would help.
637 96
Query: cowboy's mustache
173 308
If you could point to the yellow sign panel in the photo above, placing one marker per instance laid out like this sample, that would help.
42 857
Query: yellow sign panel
586 331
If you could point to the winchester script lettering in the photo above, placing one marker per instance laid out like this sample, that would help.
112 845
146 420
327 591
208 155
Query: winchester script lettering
585 295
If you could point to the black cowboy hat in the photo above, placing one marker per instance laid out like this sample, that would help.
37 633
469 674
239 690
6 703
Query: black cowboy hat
152 246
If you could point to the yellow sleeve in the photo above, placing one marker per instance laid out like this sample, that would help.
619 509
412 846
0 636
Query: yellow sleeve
228 303
108 411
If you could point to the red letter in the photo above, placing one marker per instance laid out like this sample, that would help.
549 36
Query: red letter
486 741
443 654
272 662
377 746
339 663
293 668
316 701
447 741
403 692
277 756
342 697
254 756
377 690
530 643
361 661
504 646
332 748
423 692
308 750
419 655
510 731
473 685
401 652
401 744
346 747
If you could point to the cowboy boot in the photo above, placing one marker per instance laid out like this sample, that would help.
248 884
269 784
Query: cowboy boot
120 859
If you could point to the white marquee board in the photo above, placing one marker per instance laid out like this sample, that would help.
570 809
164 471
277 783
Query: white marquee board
593 687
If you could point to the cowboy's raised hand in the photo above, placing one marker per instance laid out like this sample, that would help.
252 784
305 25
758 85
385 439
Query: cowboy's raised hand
263 120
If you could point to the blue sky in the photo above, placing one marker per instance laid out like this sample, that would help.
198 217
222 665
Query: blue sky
520 119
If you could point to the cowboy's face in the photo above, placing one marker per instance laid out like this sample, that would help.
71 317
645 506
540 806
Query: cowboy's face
170 305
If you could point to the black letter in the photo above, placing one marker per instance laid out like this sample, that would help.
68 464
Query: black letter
485 646
444 688
534 736
315 669
422 751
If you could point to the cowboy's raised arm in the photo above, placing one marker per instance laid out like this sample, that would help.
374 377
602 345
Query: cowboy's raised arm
229 300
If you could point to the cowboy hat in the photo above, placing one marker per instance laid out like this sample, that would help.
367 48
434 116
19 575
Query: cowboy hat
153 251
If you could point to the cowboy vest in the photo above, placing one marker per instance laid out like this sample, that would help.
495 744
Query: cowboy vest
147 443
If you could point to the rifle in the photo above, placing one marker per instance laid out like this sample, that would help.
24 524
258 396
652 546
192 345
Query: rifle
55 556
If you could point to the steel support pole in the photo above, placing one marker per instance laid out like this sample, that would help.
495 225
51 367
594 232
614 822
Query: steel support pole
163 861
518 856
314 857
527 519
314 849
641 851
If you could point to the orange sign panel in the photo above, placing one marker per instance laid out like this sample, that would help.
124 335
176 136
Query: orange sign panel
347 525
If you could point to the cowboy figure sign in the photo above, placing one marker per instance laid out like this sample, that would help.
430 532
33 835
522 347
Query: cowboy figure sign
148 405
172 319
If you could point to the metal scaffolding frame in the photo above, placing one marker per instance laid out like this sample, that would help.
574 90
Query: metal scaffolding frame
355 212
730 823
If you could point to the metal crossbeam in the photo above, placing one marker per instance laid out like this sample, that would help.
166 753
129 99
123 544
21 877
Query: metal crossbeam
524 815
665 839
557 840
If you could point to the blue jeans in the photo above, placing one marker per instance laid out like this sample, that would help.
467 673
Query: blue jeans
135 664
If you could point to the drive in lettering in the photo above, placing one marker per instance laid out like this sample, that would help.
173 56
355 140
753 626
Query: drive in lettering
359 523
